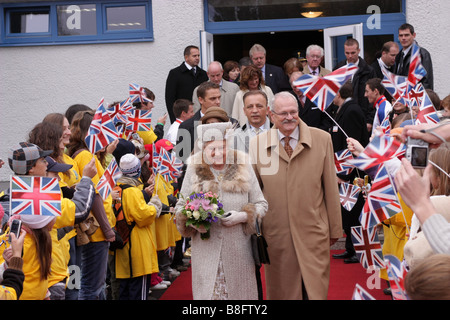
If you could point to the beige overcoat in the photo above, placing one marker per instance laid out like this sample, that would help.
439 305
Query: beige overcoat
304 211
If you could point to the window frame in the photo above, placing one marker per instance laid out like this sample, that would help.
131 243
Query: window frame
390 23
52 38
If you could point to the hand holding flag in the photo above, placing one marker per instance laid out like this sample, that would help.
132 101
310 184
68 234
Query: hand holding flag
102 130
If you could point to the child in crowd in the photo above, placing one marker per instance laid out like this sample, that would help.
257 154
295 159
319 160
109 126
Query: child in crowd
137 259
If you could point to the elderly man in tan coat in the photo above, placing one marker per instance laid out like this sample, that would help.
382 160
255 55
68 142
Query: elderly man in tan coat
304 215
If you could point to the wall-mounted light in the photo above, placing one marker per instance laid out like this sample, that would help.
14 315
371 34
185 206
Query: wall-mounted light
311 14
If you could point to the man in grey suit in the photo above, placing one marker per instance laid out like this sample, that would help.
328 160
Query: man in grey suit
228 89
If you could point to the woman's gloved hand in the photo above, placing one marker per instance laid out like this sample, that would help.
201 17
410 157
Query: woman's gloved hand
232 218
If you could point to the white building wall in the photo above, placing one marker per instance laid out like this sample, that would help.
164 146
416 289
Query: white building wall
38 80
432 26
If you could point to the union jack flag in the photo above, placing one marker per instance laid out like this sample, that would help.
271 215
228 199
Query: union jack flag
322 90
427 113
40 196
109 179
102 130
139 120
169 166
382 201
416 96
395 85
381 149
367 247
348 194
137 94
385 126
416 69
396 272
156 160
361 294
340 162
120 111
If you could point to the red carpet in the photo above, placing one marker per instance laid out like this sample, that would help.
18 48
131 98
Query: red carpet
343 278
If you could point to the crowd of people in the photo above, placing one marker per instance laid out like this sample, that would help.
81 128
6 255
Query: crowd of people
246 133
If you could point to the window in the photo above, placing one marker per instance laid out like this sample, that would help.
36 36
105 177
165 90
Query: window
29 21
238 10
75 22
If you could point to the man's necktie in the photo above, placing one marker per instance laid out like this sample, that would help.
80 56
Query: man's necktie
400 64
287 146
314 73
194 71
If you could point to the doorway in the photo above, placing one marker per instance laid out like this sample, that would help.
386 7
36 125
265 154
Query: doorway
281 46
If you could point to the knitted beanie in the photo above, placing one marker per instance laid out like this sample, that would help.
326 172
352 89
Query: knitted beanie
130 166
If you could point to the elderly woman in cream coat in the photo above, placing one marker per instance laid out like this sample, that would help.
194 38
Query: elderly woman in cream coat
222 266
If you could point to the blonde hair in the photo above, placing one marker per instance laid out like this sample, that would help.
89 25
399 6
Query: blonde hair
441 157
430 279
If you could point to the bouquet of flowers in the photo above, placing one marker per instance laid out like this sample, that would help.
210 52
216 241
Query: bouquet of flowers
202 209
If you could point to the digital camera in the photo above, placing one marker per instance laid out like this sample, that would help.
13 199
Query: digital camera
417 152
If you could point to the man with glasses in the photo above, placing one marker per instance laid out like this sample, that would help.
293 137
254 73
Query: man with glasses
314 57
295 167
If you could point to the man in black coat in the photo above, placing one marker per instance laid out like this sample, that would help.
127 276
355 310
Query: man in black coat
307 110
407 36
182 80
274 76
352 121
364 73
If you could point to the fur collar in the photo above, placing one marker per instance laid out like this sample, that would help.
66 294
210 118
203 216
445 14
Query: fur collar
236 178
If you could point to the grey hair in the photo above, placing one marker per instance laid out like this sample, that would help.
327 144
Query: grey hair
283 94
256 48
314 47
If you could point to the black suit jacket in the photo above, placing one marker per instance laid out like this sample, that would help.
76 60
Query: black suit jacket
276 79
403 68
379 74
180 84
311 114
364 73
351 119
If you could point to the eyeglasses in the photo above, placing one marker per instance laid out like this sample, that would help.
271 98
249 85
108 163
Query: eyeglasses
293 114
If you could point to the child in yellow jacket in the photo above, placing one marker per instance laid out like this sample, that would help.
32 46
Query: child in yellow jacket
137 259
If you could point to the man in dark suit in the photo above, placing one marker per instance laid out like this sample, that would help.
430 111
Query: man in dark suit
352 121
407 36
364 73
389 52
182 80
307 110
274 76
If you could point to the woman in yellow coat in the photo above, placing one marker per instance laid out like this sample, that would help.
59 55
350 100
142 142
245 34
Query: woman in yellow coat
94 253
137 259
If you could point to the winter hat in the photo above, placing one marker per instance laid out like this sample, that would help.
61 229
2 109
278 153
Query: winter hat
122 148
22 157
215 112
213 131
34 222
130 166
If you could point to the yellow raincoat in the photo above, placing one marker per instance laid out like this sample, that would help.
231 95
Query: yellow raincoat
144 260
